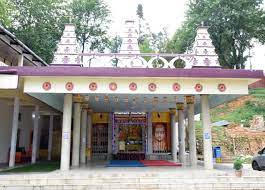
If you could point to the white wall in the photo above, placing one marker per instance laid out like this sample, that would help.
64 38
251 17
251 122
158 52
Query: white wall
6 113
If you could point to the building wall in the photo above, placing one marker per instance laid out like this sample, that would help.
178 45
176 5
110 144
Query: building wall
5 130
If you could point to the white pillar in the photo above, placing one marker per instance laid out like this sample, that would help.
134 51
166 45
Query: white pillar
181 127
149 135
35 135
39 139
173 134
89 135
12 154
66 132
50 137
20 60
207 133
83 137
191 128
110 136
76 135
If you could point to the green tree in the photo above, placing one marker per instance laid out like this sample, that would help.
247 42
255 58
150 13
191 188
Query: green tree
115 44
38 24
5 13
232 26
91 20
159 41
140 15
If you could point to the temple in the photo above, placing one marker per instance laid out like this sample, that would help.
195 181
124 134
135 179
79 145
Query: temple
125 106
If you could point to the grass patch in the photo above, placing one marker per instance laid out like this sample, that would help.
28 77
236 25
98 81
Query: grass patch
38 167
243 114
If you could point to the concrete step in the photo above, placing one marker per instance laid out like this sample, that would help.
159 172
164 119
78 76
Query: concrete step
197 186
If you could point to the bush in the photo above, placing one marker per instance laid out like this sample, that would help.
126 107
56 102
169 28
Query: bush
239 161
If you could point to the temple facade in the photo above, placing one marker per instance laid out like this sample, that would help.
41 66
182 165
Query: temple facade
125 106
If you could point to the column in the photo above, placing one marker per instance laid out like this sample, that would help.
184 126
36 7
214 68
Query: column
149 135
181 127
191 129
173 134
12 154
110 136
76 135
83 137
89 135
66 132
35 135
207 133
20 60
50 138
39 138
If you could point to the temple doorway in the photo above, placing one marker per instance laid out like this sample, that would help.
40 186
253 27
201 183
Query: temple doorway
130 130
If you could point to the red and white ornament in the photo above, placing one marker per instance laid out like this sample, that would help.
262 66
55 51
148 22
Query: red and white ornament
221 87
176 87
69 86
46 86
113 86
93 86
152 87
198 87
133 86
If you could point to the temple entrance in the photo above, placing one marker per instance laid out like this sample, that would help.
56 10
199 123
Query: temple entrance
130 130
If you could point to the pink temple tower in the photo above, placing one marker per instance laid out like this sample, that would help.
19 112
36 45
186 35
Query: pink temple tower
67 52
204 50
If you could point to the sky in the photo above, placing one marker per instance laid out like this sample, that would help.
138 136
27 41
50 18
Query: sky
158 13
165 13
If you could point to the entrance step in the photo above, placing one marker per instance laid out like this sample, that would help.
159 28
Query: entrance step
61 181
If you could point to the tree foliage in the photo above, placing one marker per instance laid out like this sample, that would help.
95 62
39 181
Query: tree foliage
38 24
5 13
91 20
115 44
150 42
140 15
232 27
